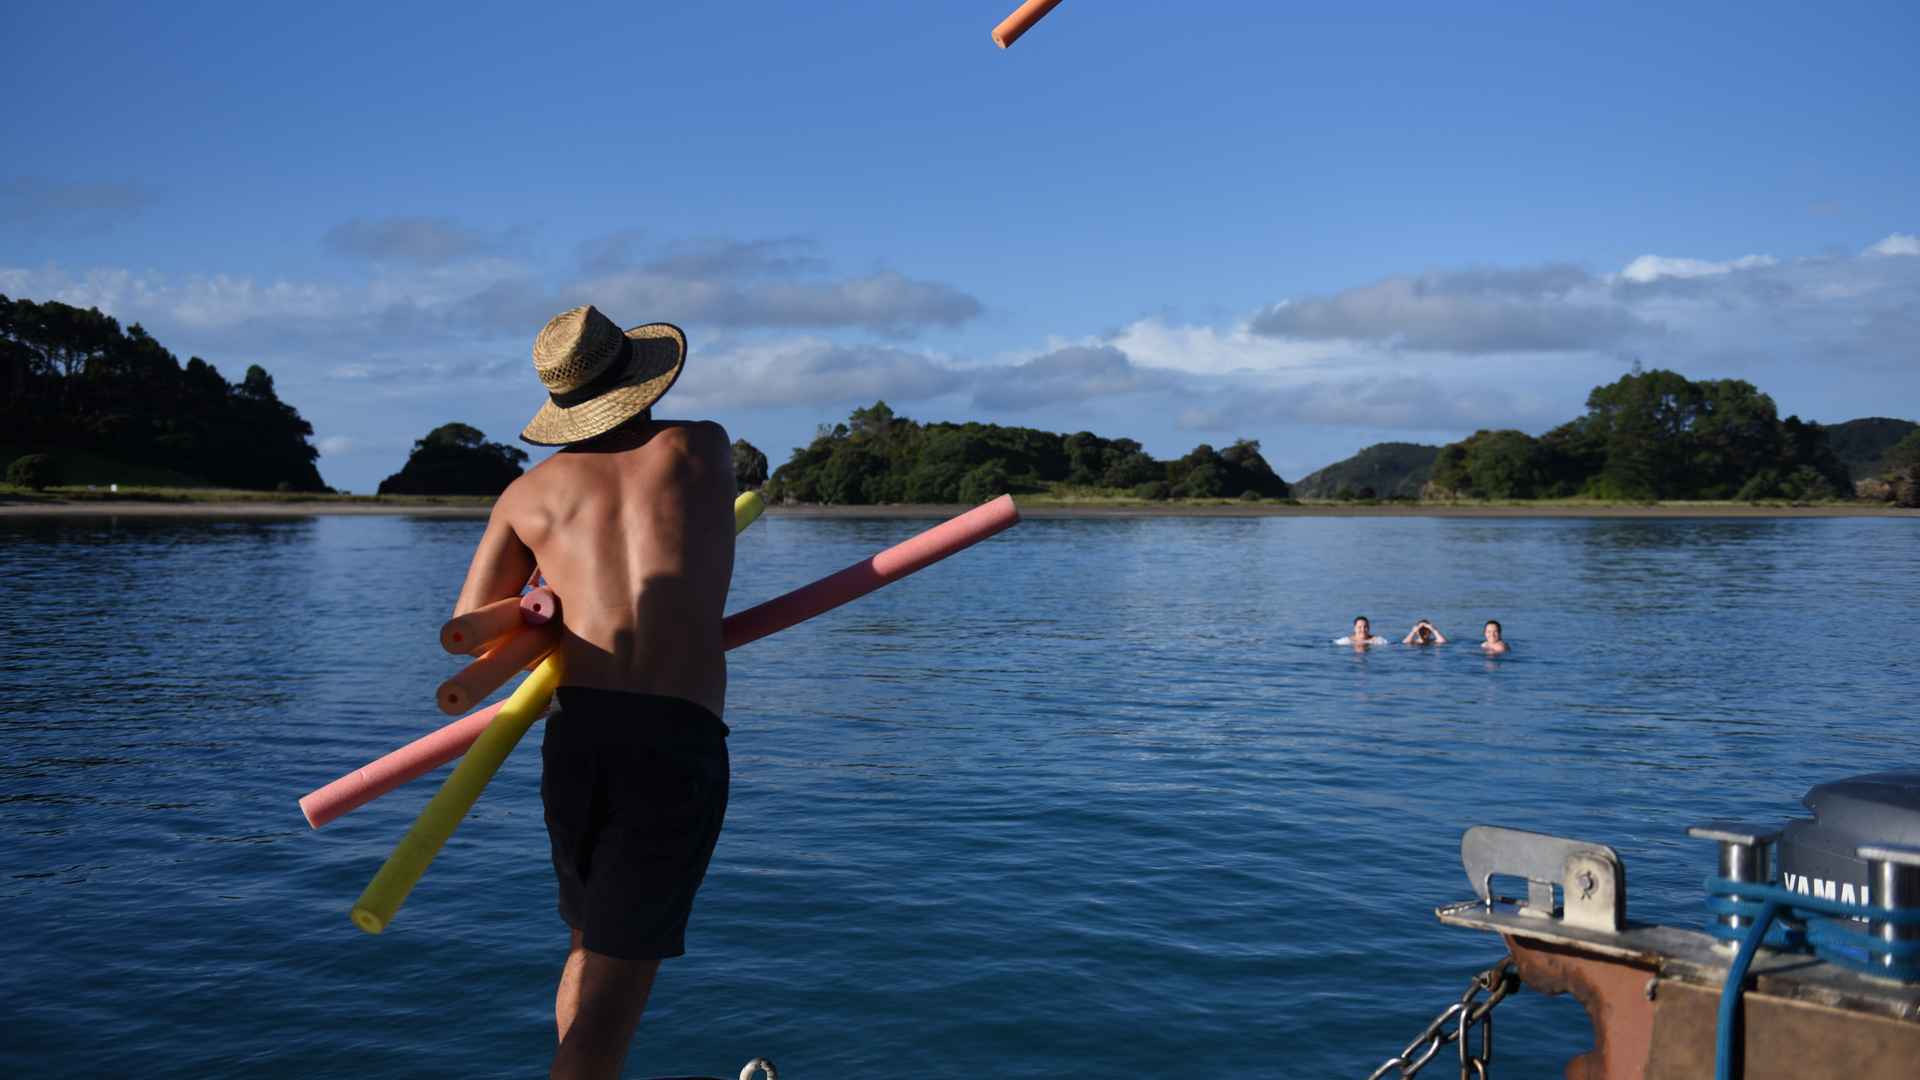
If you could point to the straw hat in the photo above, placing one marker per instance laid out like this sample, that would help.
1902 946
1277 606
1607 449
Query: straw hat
597 377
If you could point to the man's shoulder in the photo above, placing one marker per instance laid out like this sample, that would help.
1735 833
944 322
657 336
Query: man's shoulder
695 436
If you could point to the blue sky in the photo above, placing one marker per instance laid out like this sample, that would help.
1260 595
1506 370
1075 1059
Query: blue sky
1319 229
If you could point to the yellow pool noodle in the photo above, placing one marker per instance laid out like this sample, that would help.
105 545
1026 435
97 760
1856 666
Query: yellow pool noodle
746 510
389 887
449 806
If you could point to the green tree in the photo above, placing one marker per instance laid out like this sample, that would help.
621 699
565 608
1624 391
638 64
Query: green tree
1502 464
36 471
1248 471
456 459
749 466
1904 454
76 380
1640 421
1736 433
983 482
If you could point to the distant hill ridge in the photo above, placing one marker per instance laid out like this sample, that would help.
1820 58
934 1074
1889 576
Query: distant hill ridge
1400 470
1384 470
1862 445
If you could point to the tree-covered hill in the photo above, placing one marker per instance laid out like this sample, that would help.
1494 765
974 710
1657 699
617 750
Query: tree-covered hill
1862 445
456 459
1652 435
73 382
1392 470
880 457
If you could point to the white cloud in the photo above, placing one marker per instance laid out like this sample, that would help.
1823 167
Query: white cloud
886 302
812 372
335 445
1207 350
1400 401
1532 309
1897 244
1654 267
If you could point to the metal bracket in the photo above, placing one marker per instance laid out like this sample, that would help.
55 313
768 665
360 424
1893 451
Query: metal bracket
1592 879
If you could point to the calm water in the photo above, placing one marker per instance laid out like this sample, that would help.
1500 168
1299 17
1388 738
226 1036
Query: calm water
1094 798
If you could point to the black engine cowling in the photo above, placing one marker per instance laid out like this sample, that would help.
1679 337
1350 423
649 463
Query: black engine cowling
1816 857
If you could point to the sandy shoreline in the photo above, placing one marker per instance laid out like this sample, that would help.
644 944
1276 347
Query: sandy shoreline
132 508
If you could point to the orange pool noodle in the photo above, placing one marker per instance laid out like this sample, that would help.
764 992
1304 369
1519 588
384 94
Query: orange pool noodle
1021 21
465 633
491 672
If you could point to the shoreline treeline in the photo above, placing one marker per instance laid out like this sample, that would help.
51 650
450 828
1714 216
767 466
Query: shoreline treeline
1652 435
73 383
878 456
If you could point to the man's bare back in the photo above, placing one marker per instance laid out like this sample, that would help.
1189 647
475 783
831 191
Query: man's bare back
634 532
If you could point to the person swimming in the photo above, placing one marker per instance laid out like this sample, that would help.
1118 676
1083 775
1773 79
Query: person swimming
1491 641
1362 635
1424 633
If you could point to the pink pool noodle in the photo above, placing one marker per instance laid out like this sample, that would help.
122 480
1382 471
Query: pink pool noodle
539 607
426 754
410 762
869 574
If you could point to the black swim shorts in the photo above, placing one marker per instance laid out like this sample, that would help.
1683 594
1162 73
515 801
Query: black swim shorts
635 789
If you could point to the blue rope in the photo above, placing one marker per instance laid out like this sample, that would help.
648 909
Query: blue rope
1826 928
1823 931
1725 1043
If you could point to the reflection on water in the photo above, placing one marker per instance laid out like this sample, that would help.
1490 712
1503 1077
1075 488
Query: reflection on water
1095 795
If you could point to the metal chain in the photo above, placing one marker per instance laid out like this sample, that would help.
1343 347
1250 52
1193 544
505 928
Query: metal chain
1455 1024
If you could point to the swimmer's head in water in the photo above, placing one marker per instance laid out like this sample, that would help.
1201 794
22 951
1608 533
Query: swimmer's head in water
1492 630
1424 633
1361 627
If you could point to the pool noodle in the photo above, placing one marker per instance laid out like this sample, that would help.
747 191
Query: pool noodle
1021 21
869 574
410 762
425 754
401 872
444 812
484 623
522 648
429 752
539 607
489 673
484 627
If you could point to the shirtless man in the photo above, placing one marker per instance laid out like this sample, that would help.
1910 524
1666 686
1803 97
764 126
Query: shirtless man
1362 635
632 526
1424 633
1493 643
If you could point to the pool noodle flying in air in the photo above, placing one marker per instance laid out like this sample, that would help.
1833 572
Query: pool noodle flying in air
1021 21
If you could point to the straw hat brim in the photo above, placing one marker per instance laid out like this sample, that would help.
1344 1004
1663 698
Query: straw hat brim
658 354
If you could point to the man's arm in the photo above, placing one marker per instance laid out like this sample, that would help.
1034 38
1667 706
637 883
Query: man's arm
501 564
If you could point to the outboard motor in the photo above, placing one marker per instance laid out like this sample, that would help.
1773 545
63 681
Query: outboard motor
1817 857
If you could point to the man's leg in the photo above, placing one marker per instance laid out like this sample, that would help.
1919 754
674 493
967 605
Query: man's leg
596 1010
